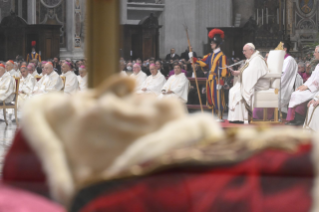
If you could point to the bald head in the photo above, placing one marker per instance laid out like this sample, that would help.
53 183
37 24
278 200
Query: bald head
136 68
153 69
48 68
9 66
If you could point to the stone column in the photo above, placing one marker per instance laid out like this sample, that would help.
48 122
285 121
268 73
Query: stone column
123 11
70 25
31 12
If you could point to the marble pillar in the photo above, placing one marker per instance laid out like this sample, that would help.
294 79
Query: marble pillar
197 16
75 13
31 12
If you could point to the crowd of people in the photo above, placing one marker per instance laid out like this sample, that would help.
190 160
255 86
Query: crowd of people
40 77
167 78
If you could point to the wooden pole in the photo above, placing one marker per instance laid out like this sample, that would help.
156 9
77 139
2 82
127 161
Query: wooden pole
194 70
102 40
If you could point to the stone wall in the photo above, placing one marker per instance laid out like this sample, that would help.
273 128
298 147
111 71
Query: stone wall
245 8
197 16
5 8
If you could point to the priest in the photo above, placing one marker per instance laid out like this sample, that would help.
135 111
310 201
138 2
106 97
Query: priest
32 70
51 82
176 86
312 118
26 86
288 78
83 78
153 83
139 76
248 80
71 81
10 69
299 99
7 86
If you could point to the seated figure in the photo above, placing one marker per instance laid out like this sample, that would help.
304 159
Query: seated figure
26 86
312 118
138 75
83 78
50 82
71 80
299 99
154 83
176 86
248 80
7 86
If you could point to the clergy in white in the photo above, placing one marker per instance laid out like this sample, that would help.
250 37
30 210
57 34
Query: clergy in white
17 70
176 86
153 83
7 86
288 78
312 119
248 80
83 79
51 81
10 69
139 76
71 82
31 70
299 99
27 83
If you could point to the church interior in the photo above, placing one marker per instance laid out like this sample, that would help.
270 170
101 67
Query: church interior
159 105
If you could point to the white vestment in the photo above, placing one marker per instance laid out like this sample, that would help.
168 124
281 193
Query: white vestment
299 97
83 83
14 73
245 87
139 79
288 78
25 88
71 82
123 73
153 84
35 73
299 81
178 84
312 119
7 88
48 83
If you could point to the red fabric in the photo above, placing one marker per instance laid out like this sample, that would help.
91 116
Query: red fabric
214 32
272 180
11 61
15 200
33 43
1 65
22 168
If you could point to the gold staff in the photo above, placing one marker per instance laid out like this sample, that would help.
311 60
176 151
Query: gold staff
194 70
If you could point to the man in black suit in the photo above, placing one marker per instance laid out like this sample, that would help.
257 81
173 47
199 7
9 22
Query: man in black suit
172 55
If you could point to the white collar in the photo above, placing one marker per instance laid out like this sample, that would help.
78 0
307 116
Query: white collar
217 50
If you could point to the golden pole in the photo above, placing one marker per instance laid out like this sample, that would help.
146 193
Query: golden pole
194 70
102 40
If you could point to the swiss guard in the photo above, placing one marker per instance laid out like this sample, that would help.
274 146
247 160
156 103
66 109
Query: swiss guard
33 54
214 61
